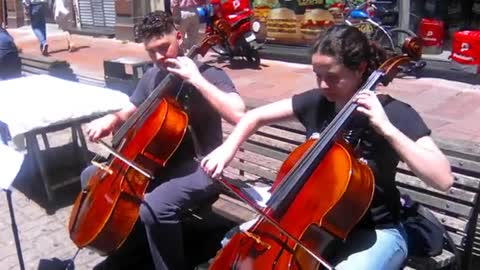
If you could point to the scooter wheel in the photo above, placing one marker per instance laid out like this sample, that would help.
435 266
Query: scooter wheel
253 57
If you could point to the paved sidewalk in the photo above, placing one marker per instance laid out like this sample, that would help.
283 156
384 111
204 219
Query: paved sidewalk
450 108
42 236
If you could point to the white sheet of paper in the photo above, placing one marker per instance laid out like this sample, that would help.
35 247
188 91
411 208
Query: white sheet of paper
261 195
11 161
32 102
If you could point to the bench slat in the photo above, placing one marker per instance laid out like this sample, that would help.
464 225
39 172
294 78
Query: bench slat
40 65
39 58
34 70
277 133
465 180
459 164
282 134
460 179
451 222
253 170
274 144
451 207
266 151
291 125
257 159
439 261
454 192
459 148
283 146
233 209
233 173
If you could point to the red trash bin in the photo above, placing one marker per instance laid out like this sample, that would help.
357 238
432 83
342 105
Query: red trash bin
432 32
466 49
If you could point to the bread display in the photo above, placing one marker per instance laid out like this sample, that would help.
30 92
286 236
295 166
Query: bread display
282 25
314 22
262 8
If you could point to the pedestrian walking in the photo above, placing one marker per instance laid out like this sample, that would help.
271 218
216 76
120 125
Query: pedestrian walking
36 10
187 20
65 20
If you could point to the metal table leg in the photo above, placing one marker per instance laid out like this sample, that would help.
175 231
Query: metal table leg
15 229
34 149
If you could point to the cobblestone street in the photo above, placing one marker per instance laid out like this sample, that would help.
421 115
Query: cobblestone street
42 236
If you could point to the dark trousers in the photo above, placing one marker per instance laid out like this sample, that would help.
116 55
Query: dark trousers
10 66
161 213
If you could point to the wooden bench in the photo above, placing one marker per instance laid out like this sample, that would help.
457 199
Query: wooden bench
36 64
259 159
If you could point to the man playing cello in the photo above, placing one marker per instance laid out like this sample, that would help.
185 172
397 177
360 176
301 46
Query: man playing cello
207 95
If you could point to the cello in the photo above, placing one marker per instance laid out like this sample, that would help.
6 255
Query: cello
298 227
105 212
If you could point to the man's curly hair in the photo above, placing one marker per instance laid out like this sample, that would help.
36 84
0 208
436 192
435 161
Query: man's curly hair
157 23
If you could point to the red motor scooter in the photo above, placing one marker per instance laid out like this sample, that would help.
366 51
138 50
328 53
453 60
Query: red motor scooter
238 30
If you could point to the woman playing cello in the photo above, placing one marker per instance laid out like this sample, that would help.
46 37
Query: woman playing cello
342 60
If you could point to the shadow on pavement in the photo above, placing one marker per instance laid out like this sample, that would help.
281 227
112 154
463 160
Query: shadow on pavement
447 71
74 49
63 166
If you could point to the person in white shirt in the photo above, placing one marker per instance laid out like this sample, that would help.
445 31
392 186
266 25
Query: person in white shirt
64 19
187 20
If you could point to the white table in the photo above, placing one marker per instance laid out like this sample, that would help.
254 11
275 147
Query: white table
36 105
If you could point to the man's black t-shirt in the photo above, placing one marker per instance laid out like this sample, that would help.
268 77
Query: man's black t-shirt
204 120
314 111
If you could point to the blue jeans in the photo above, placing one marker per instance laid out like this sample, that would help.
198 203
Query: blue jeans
38 21
381 249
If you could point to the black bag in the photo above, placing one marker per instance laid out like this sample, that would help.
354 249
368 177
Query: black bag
426 235
425 232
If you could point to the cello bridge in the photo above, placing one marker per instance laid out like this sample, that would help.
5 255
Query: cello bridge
257 239
102 167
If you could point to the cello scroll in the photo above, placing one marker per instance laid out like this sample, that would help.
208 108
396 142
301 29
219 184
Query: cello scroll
412 52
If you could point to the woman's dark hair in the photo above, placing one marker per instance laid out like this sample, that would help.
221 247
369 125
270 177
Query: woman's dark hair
350 46
157 23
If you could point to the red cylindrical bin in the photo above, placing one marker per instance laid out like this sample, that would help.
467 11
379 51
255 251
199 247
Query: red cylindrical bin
466 50
466 47
432 32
